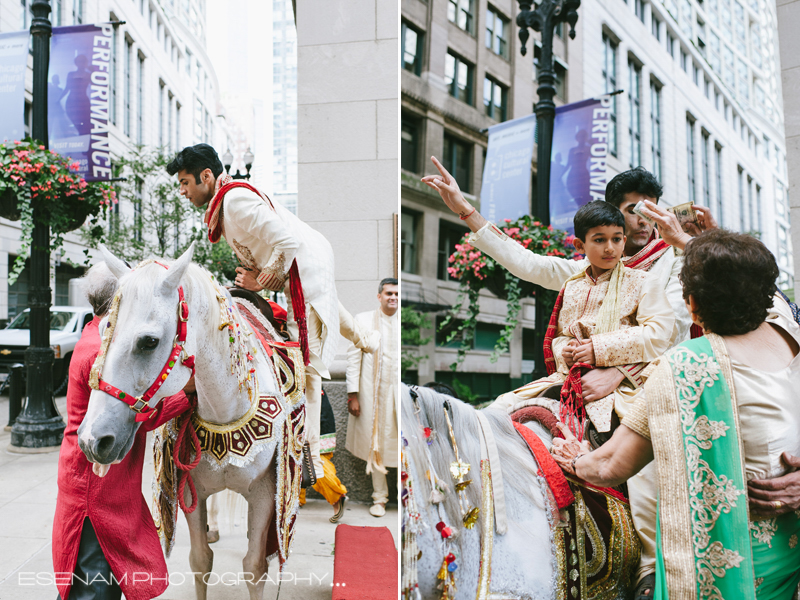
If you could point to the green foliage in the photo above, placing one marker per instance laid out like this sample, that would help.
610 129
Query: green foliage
34 177
412 322
160 224
476 271
464 392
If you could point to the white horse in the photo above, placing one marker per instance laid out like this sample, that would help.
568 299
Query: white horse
523 560
143 339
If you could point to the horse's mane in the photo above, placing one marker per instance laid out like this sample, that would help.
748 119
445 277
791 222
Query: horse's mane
518 466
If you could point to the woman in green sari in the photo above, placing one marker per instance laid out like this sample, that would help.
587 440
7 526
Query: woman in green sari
717 412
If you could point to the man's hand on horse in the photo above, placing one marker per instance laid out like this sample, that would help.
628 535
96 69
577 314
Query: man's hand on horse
245 278
773 497
353 407
564 451
599 383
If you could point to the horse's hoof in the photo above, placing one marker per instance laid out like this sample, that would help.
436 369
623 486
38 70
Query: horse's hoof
213 536
377 510
338 514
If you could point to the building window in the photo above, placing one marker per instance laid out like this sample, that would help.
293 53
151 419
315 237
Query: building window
497 33
655 129
409 144
495 99
706 168
638 9
758 207
409 225
461 13
690 158
411 41
670 45
655 27
55 16
559 68
458 76
751 217
161 94
635 125
457 159
140 103
112 84
128 78
684 61
741 200
718 168
610 85
450 234
178 125
77 12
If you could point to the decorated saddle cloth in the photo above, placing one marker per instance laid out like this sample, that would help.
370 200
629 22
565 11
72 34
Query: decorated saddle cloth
707 547
273 423
597 548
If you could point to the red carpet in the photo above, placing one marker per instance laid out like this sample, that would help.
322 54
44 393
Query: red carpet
364 564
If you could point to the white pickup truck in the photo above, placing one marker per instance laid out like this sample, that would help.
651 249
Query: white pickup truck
66 325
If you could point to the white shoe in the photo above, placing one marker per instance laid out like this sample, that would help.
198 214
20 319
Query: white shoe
377 510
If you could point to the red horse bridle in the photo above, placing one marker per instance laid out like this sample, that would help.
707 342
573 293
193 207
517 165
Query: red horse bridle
140 404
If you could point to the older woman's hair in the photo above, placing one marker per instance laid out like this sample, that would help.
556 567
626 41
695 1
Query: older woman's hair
732 279
100 285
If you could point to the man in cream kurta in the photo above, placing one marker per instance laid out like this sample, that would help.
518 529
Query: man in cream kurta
268 239
643 251
372 392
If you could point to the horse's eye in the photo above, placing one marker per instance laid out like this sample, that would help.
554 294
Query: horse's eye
147 343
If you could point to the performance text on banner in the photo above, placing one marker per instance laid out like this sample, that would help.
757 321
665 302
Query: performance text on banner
13 63
578 159
78 97
505 191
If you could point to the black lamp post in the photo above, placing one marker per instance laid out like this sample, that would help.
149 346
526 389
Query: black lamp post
545 17
39 426
227 161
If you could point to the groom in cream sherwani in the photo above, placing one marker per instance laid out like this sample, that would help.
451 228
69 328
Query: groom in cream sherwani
271 243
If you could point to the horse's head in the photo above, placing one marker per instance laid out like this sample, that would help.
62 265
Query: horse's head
142 327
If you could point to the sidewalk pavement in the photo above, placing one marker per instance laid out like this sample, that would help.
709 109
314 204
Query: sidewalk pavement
27 504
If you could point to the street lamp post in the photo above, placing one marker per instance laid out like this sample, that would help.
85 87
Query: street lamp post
227 161
39 426
545 17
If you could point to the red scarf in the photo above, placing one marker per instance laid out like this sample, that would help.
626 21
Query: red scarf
648 255
225 184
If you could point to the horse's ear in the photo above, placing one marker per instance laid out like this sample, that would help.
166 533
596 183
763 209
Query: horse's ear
178 269
117 267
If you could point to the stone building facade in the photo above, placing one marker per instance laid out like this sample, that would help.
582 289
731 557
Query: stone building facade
700 107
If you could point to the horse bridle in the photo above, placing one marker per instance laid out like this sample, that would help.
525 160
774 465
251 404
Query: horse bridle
140 404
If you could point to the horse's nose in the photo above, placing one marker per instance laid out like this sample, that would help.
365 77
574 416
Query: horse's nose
104 446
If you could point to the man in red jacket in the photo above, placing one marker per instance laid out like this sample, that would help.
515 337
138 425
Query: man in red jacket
104 539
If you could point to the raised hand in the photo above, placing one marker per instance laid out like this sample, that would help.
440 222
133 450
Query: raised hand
668 225
448 189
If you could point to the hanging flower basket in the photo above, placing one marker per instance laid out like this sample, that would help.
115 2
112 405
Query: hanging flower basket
31 175
477 271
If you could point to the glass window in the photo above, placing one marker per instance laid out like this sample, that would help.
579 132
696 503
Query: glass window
705 149
610 85
495 98
497 29
457 159
461 13
718 169
741 199
128 79
411 42
409 144
690 158
638 9
655 129
450 234
409 225
458 77
634 102
655 27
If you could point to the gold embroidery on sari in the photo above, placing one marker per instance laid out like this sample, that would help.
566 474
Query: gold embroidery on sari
793 541
764 530
710 494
